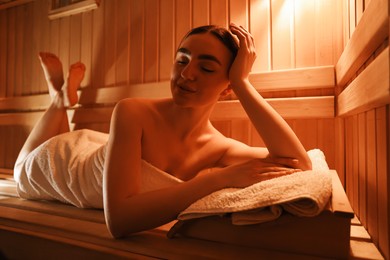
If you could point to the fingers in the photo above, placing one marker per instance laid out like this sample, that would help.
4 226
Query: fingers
243 35
283 161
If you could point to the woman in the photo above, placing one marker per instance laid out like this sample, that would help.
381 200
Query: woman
175 134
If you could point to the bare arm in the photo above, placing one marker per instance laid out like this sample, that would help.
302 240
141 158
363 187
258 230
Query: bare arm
126 209
277 135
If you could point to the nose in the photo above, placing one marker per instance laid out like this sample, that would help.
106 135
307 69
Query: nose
189 72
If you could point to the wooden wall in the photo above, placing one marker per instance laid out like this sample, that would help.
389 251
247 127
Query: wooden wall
124 42
363 115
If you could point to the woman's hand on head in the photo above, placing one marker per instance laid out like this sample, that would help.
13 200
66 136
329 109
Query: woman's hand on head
256 170
246 56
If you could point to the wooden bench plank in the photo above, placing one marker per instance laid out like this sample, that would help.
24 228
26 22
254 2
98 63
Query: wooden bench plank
153 243
339 200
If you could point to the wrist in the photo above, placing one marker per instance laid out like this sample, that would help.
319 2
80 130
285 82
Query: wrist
242 87
217 179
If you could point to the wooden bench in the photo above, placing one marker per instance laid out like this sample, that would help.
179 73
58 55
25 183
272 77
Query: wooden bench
28 227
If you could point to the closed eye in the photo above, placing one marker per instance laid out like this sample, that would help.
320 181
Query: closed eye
207 70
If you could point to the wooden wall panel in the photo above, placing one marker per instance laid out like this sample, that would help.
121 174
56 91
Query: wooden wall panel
366 115
367 171
125 41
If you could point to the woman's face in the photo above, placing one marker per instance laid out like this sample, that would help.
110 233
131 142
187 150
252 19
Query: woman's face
200 73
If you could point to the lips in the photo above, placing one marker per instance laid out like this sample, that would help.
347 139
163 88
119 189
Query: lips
185 88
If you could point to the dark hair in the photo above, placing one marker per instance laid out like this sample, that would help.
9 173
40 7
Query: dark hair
221 33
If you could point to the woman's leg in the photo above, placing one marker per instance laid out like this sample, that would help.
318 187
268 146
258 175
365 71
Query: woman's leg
54 121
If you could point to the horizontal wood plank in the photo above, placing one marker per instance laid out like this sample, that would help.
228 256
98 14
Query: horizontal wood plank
371 31
297 108
24 119
25 103
114 94
294 79
9 4
369 90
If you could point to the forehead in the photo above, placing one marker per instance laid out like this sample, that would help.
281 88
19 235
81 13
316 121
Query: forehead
206 44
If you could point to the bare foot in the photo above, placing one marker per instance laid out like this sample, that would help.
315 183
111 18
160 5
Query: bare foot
76 75
52 68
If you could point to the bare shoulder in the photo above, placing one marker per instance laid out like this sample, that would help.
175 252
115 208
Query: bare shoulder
135 108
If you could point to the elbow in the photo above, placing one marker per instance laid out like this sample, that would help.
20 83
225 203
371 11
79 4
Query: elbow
114 232
118 227
114 229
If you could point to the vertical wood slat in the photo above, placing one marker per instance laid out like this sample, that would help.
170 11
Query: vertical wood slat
109 51
3 53
238 12
121 43
340 149
28 55
97 68
86 47
18 54
11 54
200 10
64 44
281 34
349 159
259 25
355 164
74 39
166 38
304 33
372 198
383 142
136 42
219 12
362 153
37 77
151 38
183 15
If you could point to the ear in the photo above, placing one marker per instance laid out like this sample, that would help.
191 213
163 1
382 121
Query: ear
227 91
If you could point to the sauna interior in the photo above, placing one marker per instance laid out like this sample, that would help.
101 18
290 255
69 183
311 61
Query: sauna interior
328 57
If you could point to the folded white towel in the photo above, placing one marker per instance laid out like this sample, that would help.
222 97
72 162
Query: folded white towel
303 194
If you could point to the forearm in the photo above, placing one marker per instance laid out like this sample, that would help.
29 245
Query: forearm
277 135
152 209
